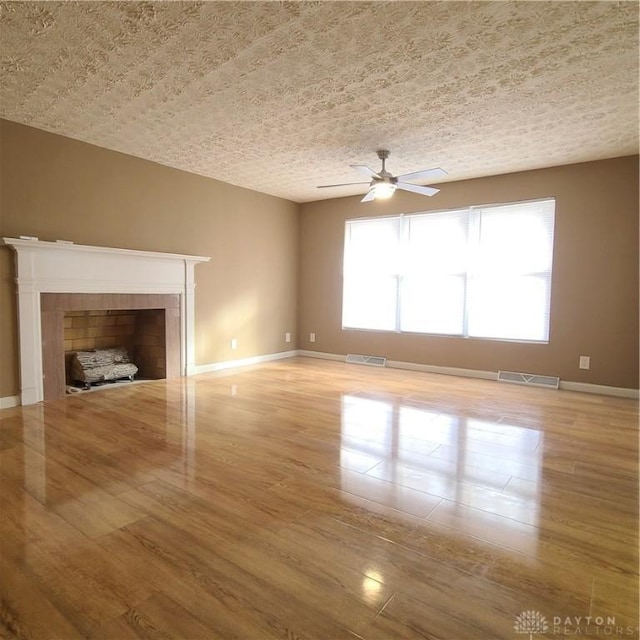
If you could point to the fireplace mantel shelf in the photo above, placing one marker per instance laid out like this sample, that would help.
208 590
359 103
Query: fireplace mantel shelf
65 246
64 267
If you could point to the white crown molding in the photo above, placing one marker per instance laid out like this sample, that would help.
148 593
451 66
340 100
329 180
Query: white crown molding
63 267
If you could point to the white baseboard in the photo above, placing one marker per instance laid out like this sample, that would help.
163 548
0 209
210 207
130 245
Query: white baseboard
585 387
243 362
447 371
411 366
582 387
9 401
321 355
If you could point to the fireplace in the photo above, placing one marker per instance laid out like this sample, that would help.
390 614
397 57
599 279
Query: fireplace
59 281
147 325
138 333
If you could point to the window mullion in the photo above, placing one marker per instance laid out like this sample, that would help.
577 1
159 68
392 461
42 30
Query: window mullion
398 303
473 241
402 266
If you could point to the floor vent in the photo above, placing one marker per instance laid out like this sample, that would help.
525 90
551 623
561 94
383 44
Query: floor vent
374 361
550 382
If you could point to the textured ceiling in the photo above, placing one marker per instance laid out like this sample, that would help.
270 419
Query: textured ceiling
281 97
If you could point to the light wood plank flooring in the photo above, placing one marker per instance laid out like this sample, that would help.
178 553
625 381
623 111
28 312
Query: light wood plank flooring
314 500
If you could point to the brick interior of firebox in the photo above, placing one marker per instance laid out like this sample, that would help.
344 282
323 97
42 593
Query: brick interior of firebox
140 331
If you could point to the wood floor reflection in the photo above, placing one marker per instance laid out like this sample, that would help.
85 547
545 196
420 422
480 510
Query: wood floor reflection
314 500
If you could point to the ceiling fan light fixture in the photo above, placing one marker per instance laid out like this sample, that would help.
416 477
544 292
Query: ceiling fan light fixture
383 184
383 190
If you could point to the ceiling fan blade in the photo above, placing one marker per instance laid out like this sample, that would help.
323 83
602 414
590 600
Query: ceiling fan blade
370 196
425 174
362 168
344 184
415 188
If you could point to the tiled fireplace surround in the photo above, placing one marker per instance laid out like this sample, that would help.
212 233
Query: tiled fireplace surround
61 280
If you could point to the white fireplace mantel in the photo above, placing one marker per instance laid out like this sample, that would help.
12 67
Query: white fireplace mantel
63 267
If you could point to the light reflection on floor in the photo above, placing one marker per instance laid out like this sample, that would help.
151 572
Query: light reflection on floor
451 470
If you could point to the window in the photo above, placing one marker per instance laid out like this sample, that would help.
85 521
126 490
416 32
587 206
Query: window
476 272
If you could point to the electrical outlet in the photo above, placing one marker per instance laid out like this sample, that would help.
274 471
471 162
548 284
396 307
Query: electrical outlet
234 343
585 362
312 337
287 337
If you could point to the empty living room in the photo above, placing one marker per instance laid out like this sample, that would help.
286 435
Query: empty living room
319 320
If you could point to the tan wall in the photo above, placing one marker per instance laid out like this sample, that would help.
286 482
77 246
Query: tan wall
594 304
57 188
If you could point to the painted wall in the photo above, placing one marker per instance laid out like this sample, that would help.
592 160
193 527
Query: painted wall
57 188
594 304
273 268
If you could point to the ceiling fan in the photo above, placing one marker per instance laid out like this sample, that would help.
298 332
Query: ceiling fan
383 184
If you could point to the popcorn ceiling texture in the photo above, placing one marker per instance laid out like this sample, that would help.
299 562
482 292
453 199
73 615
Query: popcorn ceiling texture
280 97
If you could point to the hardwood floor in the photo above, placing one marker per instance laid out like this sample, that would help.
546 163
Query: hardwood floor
307 499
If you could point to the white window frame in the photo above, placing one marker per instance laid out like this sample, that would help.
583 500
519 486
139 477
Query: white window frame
474 216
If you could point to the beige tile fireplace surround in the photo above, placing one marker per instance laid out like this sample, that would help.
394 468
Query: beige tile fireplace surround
55 306
54 278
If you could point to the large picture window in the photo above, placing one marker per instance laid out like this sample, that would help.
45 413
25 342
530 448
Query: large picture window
476 272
